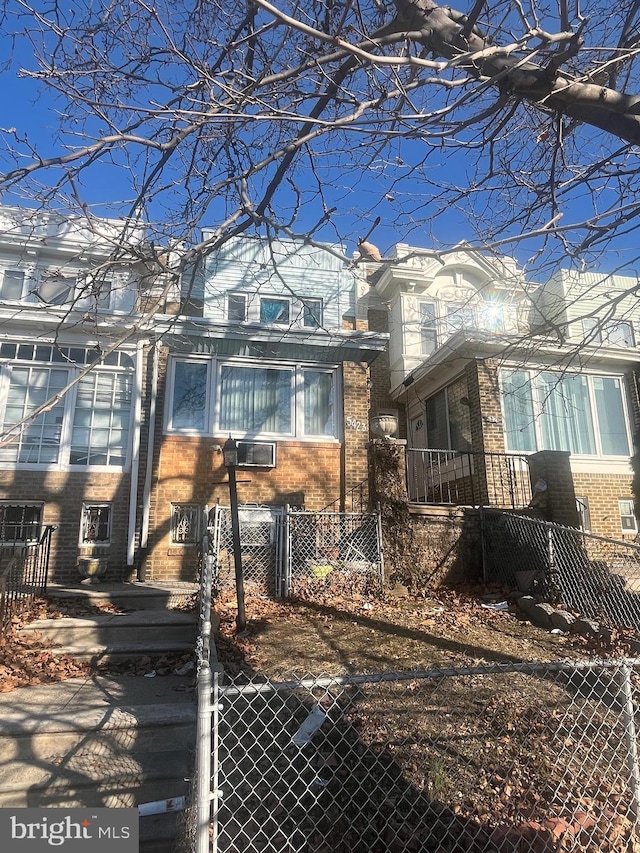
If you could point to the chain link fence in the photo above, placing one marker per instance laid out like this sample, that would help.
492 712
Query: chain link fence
326 545
282 548
502 758
598 577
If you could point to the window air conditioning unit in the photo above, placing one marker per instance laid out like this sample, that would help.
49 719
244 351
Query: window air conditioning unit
259 454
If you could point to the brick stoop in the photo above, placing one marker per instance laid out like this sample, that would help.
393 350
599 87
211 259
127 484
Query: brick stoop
107 740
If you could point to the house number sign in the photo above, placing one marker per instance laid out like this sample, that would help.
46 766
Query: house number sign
358 426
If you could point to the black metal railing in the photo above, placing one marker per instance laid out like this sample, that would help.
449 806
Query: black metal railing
467 478
355 499
24 567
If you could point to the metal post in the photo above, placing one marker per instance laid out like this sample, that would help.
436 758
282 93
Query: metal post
286 552
241 620
380 541
203 759
216 793
631 738
483 545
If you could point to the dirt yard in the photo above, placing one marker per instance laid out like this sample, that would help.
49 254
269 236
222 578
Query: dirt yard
328 630
505 762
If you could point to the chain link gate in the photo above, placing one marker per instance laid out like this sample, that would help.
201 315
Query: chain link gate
502 758
282 547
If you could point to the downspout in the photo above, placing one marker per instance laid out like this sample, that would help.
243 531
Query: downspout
135 456
148 474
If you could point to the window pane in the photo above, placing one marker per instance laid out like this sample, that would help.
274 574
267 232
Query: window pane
103 403
12 284
460 317
189 405
185 524
611 419
519 424
56 290
312 313
96 523
274 310
318 403
437 429
566 419
255 400
619 334
236 308
29 388
20 522
428 335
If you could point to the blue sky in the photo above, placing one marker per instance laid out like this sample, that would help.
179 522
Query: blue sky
409 211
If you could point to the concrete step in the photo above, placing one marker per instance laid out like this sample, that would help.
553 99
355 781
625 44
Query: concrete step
120 652
102 778
127 715
127 596
117 629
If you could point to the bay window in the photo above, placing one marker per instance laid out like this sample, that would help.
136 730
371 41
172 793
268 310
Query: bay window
582 413
251 399
89 424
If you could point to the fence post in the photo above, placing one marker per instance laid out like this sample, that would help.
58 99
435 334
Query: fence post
286 552
483 545
203 759
380 541
631 738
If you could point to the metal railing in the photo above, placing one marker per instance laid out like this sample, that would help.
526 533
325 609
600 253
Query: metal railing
468 479
490 759
355 499
596 576
24 567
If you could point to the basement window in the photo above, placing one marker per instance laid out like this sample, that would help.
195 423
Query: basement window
20 522
186 524
96 524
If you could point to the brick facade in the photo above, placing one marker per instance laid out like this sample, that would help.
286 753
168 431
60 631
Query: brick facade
189 470
63 494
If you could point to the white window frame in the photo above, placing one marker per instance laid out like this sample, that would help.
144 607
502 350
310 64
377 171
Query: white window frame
244 298
69 407
538 405
275 297
312 308
597 331
211 370
213 398
91 290
423 327
7 269
626 510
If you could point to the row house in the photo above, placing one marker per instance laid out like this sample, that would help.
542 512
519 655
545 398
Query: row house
113 419
489 369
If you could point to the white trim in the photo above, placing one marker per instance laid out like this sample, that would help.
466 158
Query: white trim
584 458
134 449
296 370
102 543
148 473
